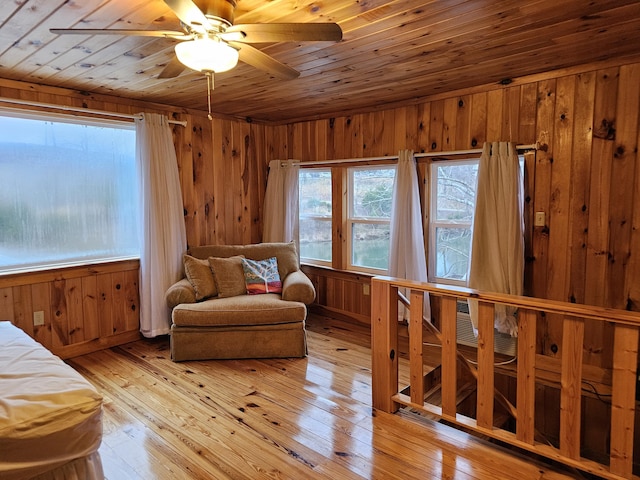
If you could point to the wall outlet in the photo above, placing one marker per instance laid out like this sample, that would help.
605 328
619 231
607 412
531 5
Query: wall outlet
38 318
365 289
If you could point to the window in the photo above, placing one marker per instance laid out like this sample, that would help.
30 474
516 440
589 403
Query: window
315 215
453 196
68 191
370 191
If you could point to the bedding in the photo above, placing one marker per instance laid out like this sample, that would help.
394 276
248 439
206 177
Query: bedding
50 416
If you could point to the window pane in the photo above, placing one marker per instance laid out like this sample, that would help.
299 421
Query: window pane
452 252
315 192
456 192
372 192
370 245
315 239
315 214
68 193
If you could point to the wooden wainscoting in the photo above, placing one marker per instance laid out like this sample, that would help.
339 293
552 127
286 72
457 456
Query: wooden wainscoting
341 293
85 308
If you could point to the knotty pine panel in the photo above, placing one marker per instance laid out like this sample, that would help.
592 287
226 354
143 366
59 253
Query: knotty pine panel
85 308
578 213
230 182
623 165
584 178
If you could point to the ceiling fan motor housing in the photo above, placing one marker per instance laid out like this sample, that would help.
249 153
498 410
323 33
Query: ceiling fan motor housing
217 9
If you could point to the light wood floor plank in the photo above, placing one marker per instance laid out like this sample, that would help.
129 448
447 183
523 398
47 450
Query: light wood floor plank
307 418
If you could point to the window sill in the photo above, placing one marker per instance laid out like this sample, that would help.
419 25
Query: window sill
15 278
335 272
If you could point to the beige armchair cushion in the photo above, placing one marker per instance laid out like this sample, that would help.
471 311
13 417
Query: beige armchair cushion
200 276
267 309
229 276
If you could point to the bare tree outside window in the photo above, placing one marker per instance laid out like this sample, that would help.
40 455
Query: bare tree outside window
453 195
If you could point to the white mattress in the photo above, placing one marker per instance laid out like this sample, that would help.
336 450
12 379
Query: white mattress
50 416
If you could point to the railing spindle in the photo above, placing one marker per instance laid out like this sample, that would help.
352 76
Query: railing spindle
415 347
526 388
623 401
449 346
485 364
571 386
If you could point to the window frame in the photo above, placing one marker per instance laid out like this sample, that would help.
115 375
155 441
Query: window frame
43 116
351 219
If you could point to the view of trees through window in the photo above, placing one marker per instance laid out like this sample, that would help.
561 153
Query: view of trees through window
315 214
68 192
370 195
453 195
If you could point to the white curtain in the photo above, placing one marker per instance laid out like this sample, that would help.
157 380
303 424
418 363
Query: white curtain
280 216
407 257
163 237
497 251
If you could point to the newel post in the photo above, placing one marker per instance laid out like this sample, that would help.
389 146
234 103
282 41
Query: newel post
384 345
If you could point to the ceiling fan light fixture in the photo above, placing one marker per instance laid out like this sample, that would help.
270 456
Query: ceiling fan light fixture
205 54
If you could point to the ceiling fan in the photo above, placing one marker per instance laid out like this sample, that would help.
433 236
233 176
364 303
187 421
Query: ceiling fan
211 43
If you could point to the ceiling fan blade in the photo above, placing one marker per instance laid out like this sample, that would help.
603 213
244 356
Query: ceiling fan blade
119 31
189 13
262 61
283 32
172 69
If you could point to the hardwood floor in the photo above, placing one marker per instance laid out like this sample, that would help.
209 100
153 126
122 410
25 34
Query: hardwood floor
287 419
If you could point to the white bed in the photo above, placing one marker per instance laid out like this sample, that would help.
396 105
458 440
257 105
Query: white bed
50 416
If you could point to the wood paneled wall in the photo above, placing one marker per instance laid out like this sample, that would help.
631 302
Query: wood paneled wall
84 308
223 170
585 178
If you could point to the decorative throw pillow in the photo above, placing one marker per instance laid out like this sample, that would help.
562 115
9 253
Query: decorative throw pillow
261 276
229 275
200 277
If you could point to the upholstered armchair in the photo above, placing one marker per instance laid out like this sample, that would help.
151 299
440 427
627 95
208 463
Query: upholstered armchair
240 301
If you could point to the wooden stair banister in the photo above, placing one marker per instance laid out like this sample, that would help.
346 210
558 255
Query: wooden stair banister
464 361
388 397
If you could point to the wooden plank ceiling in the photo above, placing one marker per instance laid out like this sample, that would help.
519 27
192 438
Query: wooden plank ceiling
393 51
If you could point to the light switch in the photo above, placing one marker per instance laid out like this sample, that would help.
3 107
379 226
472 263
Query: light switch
539 220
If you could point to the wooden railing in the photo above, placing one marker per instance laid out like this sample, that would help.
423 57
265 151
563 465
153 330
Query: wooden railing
389 396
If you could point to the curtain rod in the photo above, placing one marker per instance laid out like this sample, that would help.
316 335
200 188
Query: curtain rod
80 110
533 146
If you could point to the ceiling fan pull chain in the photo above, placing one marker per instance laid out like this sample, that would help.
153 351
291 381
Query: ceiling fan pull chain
209 90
